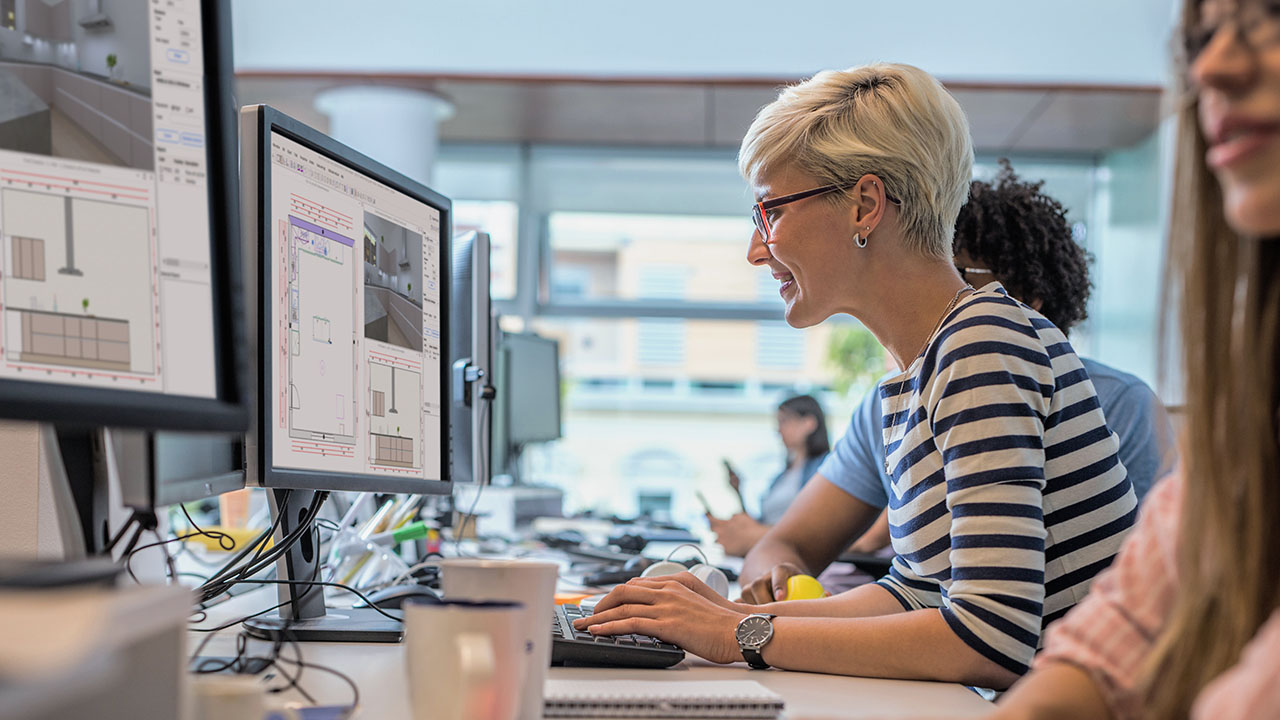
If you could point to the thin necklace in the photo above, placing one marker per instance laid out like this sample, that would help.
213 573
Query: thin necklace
950 306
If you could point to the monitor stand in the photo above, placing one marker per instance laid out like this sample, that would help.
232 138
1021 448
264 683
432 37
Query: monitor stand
303 616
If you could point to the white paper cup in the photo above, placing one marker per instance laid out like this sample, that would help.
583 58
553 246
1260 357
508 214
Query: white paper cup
531 583
464 659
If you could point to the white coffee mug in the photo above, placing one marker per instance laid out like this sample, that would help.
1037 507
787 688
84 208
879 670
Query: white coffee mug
464 659
531 583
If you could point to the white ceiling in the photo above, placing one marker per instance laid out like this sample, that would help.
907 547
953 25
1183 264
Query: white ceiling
1003 118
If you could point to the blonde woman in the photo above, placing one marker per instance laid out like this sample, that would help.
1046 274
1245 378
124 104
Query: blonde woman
1007 495
1186 623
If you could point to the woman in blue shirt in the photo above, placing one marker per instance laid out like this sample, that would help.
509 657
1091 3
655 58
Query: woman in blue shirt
802 426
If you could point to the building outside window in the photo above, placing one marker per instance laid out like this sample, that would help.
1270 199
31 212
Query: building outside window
674 351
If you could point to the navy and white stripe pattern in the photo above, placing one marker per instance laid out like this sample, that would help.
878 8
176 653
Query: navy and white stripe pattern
1008 495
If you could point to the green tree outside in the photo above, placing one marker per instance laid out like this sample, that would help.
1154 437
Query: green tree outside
856 356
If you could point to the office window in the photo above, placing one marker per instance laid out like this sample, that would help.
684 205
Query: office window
499 218
767 286
483 182
660 342
635 257
778 345
663 281
8 14
636 433
571 283
671 341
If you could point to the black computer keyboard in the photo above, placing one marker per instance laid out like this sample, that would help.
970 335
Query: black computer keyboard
577 647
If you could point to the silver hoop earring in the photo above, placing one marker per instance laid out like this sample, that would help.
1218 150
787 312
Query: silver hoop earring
859 240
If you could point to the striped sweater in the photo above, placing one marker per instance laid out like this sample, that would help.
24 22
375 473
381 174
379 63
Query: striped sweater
1008 495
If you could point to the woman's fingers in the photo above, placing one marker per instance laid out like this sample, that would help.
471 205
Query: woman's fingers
628 593
665 581
621 612
631 625
638 599
625 595
760 591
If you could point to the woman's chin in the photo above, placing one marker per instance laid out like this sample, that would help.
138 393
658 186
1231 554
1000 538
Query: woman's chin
799 316
1253 212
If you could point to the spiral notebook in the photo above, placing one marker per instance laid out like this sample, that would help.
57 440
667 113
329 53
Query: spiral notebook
660 699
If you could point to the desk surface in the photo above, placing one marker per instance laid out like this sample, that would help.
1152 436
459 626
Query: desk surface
379 672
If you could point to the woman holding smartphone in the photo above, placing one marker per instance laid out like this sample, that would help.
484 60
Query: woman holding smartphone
802 427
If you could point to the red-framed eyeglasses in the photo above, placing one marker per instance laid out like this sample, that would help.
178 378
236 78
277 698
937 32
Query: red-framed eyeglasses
759 212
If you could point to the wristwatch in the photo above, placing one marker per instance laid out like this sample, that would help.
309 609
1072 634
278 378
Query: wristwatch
753 633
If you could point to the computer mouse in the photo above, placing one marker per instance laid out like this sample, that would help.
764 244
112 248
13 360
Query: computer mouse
393 598
629 542
631 569
638 563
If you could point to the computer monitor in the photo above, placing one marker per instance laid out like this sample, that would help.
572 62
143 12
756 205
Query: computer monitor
471 340
169 468
528 397
120 282
351 263
118 199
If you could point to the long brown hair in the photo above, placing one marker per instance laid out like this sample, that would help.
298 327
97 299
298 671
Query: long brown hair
1229 541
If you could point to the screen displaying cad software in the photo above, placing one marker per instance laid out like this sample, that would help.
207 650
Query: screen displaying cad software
104 208
355 320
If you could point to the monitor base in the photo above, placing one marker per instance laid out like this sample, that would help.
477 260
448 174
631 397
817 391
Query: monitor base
336 625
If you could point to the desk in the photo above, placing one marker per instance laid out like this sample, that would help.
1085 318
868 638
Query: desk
384 695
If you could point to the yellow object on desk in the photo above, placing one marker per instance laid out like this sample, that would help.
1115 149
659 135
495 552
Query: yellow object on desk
241 535
805 587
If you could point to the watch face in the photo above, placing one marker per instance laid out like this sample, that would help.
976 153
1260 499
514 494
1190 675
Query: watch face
754 631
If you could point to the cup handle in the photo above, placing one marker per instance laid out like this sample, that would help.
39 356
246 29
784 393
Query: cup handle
478 663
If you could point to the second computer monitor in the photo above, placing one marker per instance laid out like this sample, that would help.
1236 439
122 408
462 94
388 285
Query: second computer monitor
532 387
354 290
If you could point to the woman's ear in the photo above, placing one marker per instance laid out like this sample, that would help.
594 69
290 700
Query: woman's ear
868 204
810 424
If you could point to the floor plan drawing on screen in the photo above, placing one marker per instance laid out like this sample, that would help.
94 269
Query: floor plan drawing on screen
322 331
78 285
395 416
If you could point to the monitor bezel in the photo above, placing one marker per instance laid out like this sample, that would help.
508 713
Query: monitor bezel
508 378
78 406
470 431
270 120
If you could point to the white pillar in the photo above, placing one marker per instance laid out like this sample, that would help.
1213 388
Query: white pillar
398 127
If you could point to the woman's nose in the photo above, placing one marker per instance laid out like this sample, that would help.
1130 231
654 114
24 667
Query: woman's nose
758 252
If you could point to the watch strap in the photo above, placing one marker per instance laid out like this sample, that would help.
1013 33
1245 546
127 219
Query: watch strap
754 659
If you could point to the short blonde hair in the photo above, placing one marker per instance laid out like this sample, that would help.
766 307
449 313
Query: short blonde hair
896 121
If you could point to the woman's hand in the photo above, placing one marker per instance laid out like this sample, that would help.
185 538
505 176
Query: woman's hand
771 586
679 609
738 534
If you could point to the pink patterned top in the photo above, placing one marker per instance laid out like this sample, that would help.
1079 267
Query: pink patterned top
1111 631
